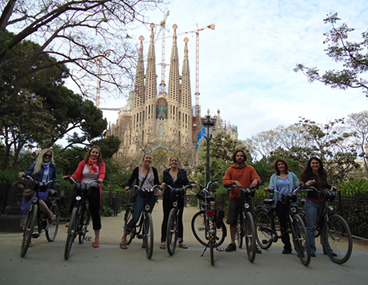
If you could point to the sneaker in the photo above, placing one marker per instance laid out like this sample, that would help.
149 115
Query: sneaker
230 247
258 251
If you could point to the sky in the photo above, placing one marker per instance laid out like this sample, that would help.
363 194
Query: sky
246 63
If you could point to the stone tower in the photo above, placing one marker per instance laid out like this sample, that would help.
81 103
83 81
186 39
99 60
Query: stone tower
153 120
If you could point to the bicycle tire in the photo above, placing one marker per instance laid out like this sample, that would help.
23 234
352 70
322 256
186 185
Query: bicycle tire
72 231
172 231
28 230
239 234
301 241
264 228
83 224
212 238
339 238
52 227
148 235
250 236
201 234
127 217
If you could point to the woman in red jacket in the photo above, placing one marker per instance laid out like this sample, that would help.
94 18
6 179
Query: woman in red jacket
92 168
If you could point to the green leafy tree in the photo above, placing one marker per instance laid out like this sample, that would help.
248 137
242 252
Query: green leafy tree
79 33
222 147
353 55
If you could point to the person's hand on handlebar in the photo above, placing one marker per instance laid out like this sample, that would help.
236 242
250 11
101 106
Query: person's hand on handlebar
254 184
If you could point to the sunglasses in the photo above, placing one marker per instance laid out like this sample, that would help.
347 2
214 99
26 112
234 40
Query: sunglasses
47 155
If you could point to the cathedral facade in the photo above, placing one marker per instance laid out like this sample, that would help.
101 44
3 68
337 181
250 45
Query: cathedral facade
154 119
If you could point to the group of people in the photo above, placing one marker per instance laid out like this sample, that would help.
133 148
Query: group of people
44 170
239 174
146 177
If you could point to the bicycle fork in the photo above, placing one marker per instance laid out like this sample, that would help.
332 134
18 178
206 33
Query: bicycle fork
210 229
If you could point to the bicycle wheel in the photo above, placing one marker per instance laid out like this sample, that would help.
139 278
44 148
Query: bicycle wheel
200 233
52 227
338 239
301 241
127 217
265 234
72 231
83 224
250 236
199 228
28 230
239 234
212 240
148 235
172 231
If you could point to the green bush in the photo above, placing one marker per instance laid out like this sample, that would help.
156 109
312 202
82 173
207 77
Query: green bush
360 185
106 211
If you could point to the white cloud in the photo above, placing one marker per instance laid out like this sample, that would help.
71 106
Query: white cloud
246 63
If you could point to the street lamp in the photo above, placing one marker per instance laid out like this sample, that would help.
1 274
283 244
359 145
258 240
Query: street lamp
208 124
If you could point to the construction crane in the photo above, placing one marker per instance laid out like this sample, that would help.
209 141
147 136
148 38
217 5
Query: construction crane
196 31
98 89
163 64
197 107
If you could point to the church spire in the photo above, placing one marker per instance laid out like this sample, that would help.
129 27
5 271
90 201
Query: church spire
174 87
186 97
139 78
151 77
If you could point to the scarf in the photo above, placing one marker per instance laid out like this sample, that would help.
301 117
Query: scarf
93 166
46 166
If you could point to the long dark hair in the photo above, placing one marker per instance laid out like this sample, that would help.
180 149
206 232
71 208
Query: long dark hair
308 169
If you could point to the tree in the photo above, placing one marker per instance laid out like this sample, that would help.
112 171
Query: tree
353 55
81 33
44 109
222 147
358 122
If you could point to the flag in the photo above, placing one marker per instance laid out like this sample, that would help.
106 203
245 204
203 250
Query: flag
202 134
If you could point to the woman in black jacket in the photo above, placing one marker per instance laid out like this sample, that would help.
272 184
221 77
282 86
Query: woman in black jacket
176 178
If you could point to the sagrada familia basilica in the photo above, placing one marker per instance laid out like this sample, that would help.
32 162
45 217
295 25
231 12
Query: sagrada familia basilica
154 119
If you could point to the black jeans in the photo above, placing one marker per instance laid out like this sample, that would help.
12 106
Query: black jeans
282 213
167 206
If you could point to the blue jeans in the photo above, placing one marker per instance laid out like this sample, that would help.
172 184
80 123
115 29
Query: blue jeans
313 211
138 208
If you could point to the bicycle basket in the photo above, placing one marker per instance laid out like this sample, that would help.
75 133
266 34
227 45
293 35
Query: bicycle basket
203 197
290 197
39 186
326 196
174 192
146 193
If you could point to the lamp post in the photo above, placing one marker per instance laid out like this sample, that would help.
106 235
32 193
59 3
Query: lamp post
208 124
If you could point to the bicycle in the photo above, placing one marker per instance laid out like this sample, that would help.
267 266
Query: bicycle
266 228
334 230
207 225
80 215
42 218
246 225
173 220
145 225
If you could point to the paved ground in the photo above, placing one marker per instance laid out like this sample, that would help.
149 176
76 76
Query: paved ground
44 262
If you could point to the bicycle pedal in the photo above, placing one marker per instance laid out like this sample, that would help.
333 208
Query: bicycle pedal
35 235
88 238
139 236
200 229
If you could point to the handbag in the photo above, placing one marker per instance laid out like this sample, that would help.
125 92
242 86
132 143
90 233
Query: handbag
134 193
28 193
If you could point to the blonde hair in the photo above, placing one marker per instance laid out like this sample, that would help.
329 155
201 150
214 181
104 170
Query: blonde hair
39 159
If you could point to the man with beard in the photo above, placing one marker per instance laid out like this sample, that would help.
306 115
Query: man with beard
244 176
